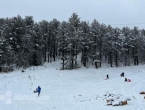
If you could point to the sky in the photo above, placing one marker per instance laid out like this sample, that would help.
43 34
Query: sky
117 13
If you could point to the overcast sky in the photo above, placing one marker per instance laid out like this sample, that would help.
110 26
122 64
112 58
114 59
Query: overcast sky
117 13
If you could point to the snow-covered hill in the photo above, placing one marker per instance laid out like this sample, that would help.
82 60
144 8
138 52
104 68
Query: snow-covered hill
80 89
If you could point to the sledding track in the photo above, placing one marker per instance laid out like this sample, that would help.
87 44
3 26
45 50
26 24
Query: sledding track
134 88
138 103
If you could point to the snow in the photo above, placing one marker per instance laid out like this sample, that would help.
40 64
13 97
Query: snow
115 103
96 61
80 89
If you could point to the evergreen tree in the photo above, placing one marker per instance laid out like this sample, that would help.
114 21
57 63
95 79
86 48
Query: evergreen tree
73 33
44 25
63 43
85 42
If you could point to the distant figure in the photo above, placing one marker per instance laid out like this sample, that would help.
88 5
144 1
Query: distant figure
107 76
125 79
122 74
39 90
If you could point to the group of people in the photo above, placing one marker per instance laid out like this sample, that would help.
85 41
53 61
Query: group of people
121 75
126 80
38 90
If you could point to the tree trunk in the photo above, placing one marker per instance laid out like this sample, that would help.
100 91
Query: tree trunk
76 52
110 58
45 54
54 51
100 52
48 56
125 58
116 61
63 58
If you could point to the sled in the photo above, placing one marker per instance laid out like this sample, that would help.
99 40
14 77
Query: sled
35 91
142 92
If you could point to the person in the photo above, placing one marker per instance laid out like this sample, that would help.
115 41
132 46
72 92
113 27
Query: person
122 74
107 76
125 79
39 90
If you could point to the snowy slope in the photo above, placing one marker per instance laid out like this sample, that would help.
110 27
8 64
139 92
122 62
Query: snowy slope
81 89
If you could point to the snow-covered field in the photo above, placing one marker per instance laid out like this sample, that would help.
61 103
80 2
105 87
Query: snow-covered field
80 89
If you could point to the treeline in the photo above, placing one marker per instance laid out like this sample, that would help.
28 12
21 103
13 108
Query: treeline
25 42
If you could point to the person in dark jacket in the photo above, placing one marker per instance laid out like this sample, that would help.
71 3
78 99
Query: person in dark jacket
39 90
122 74
107 76
125 79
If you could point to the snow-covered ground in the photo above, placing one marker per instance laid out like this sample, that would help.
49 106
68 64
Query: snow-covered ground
80 89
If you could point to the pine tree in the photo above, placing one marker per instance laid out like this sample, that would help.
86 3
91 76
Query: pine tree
96 41
44 25
63 43
54 25
73 33
85 42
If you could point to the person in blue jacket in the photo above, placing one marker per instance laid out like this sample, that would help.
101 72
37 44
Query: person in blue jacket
39 90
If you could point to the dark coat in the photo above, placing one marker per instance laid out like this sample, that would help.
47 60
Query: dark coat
107 76
39 89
